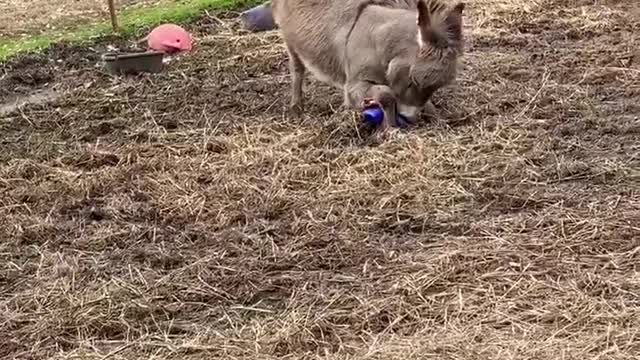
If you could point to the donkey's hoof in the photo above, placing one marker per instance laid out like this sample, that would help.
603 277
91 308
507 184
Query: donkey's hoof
296 110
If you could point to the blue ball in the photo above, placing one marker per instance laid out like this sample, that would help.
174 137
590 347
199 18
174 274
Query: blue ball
375 115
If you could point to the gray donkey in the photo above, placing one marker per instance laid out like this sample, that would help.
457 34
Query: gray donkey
391 53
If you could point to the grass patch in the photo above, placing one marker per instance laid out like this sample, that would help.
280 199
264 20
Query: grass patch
130 21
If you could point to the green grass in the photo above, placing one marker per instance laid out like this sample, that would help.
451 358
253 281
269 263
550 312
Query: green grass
130 21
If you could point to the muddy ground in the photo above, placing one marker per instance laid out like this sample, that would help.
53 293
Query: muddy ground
183 215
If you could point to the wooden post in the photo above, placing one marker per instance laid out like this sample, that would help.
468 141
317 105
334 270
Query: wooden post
112 13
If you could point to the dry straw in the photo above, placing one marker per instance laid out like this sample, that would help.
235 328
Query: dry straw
183 216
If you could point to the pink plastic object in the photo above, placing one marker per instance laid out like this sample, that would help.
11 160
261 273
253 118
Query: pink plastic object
169 38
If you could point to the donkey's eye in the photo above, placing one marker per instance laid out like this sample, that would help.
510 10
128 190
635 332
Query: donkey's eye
429 90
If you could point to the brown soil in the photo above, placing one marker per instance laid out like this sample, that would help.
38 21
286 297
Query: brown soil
19 17
183 216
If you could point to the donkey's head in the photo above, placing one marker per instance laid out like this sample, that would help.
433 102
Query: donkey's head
440 44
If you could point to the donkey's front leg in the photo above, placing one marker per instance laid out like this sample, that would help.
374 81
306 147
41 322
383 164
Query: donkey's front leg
297 71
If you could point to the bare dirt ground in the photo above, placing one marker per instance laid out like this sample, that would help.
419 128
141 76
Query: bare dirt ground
19 17
183 216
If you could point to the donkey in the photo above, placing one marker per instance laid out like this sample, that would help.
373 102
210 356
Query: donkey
391 53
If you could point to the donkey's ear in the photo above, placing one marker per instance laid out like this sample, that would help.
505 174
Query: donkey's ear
430 34
453 21
426 35
424 14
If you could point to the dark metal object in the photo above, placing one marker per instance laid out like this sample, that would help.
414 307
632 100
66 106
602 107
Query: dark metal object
132 63
259 18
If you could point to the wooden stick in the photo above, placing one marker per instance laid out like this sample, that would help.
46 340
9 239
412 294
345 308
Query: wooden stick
112 13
